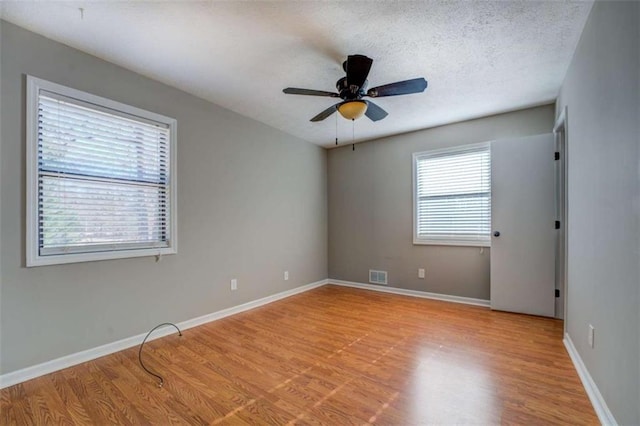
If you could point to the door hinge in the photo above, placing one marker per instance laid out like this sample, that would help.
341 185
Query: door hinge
557 224
556 155
557 292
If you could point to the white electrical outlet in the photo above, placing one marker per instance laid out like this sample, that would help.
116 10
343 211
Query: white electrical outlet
421 273
234 284
286 275
592 331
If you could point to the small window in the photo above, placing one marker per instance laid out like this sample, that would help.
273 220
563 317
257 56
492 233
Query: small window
100 178
452 196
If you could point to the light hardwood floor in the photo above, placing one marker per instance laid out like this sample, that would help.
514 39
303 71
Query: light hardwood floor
333 356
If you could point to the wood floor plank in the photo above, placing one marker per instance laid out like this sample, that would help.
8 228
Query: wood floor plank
329 356
61 389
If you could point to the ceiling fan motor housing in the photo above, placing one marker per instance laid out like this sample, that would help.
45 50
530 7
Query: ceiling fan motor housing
349 93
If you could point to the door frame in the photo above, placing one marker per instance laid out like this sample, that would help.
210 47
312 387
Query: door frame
560 130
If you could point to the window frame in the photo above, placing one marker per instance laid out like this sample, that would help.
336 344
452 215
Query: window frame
33 256
446 241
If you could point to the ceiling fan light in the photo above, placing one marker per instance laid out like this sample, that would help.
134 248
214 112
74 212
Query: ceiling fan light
352 110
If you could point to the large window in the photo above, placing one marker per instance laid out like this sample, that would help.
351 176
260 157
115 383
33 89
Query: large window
100 178
452 196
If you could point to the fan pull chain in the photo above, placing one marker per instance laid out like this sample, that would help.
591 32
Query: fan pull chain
353 134
336 129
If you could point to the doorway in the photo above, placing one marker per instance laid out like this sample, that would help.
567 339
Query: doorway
561 246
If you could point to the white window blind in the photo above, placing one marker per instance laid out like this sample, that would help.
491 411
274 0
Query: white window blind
103 178
453 196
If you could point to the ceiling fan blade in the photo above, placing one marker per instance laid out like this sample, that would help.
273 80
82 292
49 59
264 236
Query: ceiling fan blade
374 112
326 113
297 91
357 69
406 87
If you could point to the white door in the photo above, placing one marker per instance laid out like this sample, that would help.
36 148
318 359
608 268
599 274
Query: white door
522 221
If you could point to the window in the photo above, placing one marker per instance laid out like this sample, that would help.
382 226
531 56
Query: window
452 196
100 178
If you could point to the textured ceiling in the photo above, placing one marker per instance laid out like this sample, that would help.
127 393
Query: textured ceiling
480 57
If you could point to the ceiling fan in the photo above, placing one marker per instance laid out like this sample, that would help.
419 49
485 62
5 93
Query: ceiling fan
353 87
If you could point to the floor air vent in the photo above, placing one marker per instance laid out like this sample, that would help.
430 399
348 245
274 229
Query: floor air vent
377 277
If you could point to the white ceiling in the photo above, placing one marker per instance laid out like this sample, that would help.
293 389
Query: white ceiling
479 57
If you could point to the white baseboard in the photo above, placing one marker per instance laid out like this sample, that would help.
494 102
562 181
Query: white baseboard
599 405
414 293
19 376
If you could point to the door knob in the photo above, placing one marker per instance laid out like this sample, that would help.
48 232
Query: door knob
496 234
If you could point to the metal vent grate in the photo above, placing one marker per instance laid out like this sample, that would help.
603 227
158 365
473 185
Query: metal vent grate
377 277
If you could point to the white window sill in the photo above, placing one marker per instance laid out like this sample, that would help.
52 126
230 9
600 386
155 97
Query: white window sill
57 259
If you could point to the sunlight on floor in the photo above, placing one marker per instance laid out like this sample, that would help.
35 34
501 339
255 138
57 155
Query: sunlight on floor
455 388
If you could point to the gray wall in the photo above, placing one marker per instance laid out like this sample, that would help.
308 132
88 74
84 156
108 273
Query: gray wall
370 207
251 204
0 181
602 93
